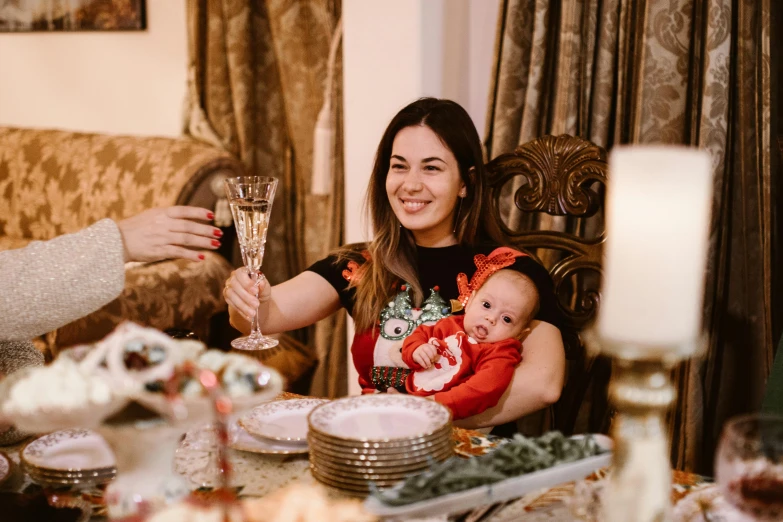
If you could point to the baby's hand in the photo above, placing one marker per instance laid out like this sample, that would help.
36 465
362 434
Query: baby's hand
425 355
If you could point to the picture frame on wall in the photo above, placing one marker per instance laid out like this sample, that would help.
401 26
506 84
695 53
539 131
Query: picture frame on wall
72 15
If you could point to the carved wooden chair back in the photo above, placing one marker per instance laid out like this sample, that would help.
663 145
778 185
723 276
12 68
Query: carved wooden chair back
547 200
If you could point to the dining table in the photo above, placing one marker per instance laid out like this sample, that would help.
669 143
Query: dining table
257 475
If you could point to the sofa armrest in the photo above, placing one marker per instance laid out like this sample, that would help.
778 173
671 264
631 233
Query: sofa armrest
205 187
80 178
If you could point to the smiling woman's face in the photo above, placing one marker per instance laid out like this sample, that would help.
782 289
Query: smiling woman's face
423 185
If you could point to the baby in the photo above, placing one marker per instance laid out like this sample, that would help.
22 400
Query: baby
466 362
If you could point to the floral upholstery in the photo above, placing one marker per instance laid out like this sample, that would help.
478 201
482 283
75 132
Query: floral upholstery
54 182
162 295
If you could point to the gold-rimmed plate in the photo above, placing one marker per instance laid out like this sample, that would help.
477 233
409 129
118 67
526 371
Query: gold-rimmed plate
349 480
383 418
66 476
373 460
68 481
372 473
396 446
358 489
69 474
72 450
283 421
381 453
413 456
240 439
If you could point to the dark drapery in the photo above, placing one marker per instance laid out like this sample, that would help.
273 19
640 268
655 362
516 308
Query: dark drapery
256 85
693 72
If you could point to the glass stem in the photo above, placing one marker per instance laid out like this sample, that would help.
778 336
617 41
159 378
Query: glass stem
255 330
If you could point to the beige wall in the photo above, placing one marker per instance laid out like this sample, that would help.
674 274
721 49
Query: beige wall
395 52
123 83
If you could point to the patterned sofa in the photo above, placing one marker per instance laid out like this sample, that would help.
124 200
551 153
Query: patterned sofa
54 182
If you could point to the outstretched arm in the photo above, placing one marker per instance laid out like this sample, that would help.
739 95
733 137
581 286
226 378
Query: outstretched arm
48 284
537 381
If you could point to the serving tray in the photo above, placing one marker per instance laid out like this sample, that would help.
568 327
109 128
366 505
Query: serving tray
498 492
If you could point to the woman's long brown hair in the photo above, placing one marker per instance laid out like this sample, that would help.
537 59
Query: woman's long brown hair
393 250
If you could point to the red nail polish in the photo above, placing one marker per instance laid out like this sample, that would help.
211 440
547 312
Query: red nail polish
201 256
215 243
210 215
217 232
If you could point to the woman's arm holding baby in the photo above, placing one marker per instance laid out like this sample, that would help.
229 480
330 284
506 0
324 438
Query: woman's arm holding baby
537 382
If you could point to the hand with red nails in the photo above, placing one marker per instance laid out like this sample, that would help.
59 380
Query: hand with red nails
169 232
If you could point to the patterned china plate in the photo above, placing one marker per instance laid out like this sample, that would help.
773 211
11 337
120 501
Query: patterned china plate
69 450
239 439
78 475
379 417
342 486
402 447
359 464
380 458
343 480
281 420
52 480
372 473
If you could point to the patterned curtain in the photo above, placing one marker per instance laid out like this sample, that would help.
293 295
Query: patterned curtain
693 72
257 81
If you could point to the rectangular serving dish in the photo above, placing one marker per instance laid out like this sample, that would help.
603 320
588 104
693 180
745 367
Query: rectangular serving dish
498 492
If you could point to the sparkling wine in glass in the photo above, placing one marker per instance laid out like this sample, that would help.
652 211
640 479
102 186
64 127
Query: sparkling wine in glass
250 198
749 466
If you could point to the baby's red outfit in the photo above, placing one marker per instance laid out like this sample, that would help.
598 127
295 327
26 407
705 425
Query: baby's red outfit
469 377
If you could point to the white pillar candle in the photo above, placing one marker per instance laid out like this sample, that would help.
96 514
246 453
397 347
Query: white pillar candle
657 224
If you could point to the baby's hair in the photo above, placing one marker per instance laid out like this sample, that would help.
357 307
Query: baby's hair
530 284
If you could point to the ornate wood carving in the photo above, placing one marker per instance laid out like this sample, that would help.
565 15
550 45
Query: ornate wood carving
558 171
558 176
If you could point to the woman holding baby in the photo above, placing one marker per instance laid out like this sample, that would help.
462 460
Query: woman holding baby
427 200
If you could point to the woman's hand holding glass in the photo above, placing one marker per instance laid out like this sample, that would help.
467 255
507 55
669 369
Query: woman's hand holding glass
242 299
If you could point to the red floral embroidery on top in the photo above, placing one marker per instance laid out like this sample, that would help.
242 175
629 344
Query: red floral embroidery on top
485 266
352 270
355 271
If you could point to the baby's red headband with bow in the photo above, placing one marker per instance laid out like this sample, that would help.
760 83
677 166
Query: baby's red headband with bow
498 259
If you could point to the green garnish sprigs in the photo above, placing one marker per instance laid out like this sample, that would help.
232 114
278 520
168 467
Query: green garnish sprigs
519 456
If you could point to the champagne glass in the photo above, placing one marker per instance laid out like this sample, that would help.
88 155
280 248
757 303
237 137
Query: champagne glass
250 198
749 466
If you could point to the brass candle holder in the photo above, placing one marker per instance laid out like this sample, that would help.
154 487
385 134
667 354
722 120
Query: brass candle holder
651 308
642 392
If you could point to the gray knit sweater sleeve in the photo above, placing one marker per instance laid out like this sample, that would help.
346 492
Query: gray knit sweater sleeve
15 355
48 284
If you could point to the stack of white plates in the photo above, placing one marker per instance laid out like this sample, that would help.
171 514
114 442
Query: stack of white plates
376 439
69 458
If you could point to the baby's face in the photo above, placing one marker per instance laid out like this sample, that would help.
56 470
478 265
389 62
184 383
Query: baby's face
501 308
